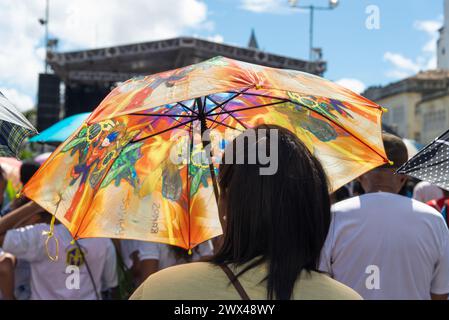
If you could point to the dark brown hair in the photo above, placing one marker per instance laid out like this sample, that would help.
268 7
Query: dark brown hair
280 219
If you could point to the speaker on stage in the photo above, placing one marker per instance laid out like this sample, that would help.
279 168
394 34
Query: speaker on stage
48 101
84 97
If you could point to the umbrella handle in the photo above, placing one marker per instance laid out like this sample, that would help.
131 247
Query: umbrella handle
50 234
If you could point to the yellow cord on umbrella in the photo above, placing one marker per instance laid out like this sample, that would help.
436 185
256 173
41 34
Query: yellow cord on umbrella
190 252
50 234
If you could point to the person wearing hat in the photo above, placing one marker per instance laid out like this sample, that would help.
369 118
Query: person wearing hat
384 245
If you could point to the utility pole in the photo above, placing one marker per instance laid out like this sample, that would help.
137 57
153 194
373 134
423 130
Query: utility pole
44 22
332 5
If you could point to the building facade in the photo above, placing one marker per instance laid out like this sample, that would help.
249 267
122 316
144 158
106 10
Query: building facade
417 106
434 115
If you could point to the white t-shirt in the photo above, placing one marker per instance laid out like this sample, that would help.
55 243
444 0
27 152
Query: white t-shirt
161 252
424 192
54 280
386 246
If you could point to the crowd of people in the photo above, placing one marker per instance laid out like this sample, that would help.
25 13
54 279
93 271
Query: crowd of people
284 237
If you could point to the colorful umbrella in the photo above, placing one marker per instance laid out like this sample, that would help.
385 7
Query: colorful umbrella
115 177
61 130
14 129
431 164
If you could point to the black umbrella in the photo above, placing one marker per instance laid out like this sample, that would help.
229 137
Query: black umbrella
431 164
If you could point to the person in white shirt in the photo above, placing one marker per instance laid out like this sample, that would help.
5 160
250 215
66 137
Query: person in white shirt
82 271
425 191
16 272
386 246
145 258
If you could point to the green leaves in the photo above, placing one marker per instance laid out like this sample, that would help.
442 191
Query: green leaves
123 166
72 144
196 181
200 177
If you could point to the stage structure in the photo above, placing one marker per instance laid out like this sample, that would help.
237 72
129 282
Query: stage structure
88 76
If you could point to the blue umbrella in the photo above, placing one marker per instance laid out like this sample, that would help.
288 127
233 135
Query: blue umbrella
61 130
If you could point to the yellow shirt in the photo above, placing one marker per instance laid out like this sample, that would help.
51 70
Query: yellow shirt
205 281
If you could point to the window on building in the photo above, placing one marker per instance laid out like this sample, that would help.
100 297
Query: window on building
434 121
398 120
398 115
417 136
386 117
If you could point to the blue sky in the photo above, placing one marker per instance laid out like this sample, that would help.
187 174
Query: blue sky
352 51
356 56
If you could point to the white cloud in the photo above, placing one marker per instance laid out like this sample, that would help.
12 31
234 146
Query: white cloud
404 66
398 74
432 63
401 62
352 84
81 24
216 38
22 101
431 28
20 34
266 6
104 22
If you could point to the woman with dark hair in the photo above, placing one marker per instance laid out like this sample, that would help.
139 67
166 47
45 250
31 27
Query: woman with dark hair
274 229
